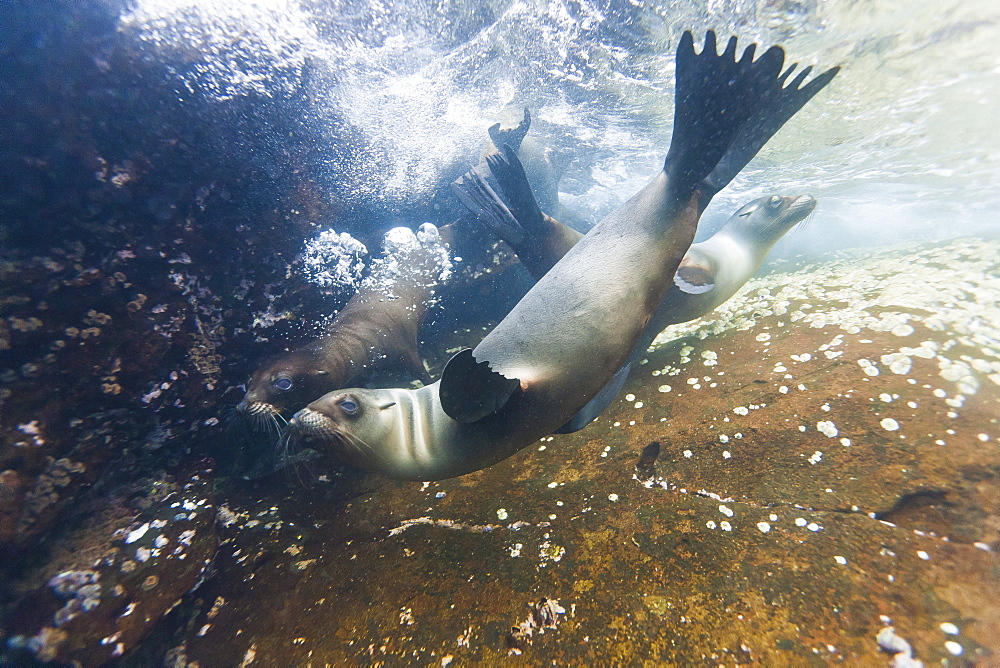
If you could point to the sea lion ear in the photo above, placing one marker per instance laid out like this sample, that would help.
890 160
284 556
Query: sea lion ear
320 372
694 280
471 390
388 404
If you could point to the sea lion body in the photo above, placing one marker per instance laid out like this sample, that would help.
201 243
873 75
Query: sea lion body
572 331
714 270
378 327
575 329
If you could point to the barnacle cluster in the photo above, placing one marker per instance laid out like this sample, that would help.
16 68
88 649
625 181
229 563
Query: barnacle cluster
952 296
24 324
203 351
46 491
544 615
81 590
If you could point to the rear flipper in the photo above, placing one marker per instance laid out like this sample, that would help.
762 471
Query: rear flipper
512 137
509 173
725 110
477 196
538 241
763 125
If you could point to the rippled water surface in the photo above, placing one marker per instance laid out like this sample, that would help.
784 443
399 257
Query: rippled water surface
903 138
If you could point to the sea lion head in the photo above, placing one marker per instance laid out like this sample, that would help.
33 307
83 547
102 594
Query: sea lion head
353 425
284 383
765 220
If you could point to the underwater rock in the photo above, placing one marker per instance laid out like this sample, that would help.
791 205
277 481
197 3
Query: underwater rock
119 583
758 537
544 616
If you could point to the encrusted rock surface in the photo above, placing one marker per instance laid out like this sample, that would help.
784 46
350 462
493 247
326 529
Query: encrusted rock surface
810 490
116 579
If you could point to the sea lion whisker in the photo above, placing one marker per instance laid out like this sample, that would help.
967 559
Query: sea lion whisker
349 439
296 463
255 418
800 225
285 457
233 422
273 422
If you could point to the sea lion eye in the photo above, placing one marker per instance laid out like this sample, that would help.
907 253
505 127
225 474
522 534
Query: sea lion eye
349 406
775 201
282 384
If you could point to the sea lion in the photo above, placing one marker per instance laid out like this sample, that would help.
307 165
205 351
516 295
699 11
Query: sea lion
711 272
568 339
377 327
371 331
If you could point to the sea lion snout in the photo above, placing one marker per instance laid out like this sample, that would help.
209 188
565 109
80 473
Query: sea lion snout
251 408
308 422
803 205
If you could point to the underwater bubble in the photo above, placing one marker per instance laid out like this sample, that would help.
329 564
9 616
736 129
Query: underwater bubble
333 261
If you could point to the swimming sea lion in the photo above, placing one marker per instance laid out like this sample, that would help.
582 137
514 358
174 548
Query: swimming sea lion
574 330
377 327
713 270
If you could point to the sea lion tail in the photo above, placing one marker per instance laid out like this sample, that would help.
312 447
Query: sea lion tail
479 198
725 109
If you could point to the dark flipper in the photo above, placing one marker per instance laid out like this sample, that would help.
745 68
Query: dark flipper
509 173
482 391
477 196
725 109
762 125
512 137
596 406
694 280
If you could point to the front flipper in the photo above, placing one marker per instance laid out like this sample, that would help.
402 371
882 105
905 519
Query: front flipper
694 280
596 406
513 136
470 390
